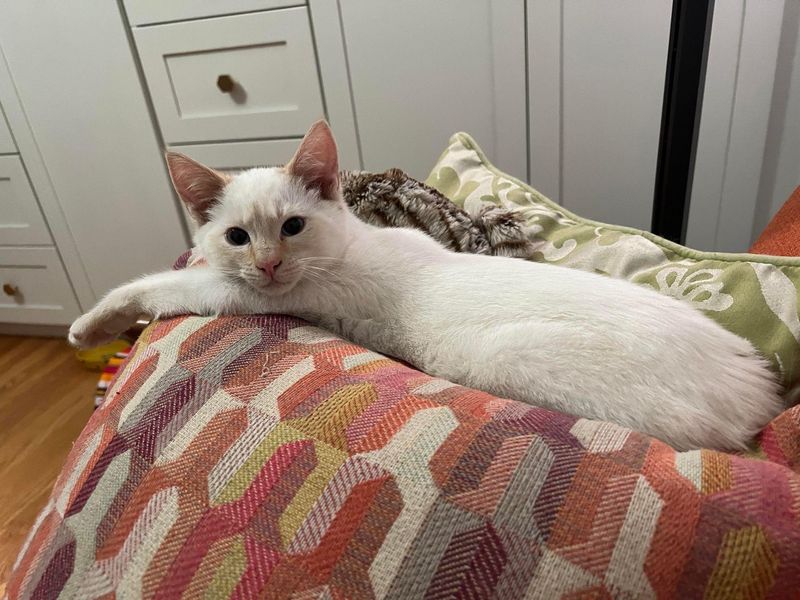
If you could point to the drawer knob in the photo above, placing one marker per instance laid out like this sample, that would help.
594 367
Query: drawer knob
225 83
10 290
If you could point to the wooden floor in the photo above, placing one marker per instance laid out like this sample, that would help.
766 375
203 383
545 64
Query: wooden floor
46 397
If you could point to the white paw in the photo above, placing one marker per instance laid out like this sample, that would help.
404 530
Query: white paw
97 327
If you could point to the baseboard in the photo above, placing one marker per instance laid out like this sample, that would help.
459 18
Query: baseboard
54 331
59 331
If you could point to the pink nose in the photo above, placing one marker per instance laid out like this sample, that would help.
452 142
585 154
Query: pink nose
270 266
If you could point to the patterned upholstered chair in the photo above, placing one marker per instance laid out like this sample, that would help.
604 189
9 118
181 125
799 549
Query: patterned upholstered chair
262 457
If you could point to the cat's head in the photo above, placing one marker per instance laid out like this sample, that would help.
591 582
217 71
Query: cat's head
270 227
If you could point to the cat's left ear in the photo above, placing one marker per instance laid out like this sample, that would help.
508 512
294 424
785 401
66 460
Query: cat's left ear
199 186
316 161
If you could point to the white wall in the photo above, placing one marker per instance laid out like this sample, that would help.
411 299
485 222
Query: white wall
781 169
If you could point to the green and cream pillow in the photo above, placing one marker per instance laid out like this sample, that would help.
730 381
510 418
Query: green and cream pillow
754 296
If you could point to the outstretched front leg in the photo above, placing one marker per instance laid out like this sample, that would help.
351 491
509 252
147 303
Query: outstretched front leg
199 291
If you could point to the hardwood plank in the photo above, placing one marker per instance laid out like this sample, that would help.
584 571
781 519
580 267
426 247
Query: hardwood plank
45 400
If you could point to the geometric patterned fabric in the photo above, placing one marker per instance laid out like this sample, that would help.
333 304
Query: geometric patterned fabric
257 456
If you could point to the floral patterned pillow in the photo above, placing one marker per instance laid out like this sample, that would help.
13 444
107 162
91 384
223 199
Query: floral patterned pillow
752 295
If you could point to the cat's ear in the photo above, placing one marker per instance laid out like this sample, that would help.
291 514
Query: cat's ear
316 161
199 186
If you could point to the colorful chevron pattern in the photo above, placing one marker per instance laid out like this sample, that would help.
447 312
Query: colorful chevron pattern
245 457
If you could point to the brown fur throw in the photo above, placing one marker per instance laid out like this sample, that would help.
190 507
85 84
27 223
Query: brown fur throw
393 199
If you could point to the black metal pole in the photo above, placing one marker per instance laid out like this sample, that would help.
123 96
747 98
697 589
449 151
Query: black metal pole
680 118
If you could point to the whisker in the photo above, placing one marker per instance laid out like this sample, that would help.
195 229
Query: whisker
316 259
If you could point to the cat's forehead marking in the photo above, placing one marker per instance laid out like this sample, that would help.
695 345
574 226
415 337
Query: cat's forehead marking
262 194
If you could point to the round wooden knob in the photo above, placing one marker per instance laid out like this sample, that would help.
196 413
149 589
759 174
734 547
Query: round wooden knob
10 290
225 83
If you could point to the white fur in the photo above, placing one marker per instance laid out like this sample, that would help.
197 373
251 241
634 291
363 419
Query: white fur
564 339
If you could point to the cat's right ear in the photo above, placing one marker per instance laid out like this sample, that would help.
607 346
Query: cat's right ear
199 186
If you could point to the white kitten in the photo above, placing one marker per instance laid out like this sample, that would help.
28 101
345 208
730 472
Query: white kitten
280 240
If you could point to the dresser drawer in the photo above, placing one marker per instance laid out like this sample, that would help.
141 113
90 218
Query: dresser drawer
232 78
235 156
144 12
6 141
34 288
21 221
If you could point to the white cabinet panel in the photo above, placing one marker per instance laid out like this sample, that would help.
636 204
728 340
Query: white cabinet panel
34 288
142 12
6 140
272 87
21 222
335 79
596 81
423 69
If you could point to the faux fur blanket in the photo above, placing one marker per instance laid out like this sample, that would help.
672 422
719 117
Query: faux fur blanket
393 199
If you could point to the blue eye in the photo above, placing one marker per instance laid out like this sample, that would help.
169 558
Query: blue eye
292 226
237 236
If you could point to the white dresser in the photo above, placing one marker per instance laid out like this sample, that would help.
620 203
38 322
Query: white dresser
34 287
